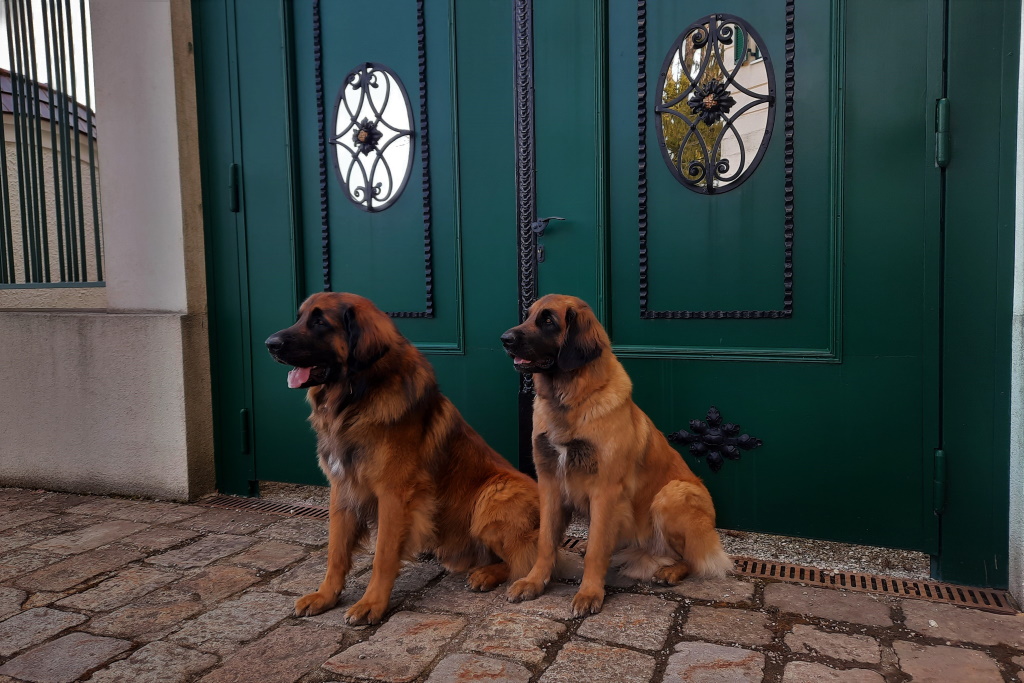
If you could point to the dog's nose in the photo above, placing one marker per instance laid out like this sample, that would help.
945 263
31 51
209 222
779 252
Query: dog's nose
509 338
274 343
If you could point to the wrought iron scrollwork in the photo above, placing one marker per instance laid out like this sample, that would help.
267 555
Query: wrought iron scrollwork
702 104
373 136
714 440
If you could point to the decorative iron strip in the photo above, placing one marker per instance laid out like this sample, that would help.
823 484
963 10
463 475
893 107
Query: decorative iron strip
526 192
641 98
526 206
325 233
421 54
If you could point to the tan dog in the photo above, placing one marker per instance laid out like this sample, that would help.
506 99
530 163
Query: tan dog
399 457
597 453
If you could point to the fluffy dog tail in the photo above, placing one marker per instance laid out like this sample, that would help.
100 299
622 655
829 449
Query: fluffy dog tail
686 517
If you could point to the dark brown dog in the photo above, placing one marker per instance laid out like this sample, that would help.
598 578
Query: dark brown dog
400 457
597 453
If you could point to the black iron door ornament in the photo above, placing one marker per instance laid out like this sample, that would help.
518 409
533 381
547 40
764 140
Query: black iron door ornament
716 105
372 136
715 440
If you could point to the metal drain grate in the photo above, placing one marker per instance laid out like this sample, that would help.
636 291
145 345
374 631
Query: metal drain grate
980 598
263 505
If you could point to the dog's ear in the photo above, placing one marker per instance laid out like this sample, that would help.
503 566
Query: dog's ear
365 346
581 343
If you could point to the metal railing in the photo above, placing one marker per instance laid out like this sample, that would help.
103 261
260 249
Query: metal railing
51 234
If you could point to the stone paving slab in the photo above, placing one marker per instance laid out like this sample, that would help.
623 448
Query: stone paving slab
88 537
809 672
476 668
959 623
940 663
118 590
157 662
64 660
707 663
640 621
205 551
733 626
580 660
185 593
726 590
828 603
400 650
31 626
810 640
283 655
522 637
62 575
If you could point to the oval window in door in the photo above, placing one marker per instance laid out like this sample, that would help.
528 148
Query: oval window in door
372 136
716 104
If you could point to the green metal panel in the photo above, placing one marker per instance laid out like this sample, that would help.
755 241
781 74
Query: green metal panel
219 133
978 285
843 393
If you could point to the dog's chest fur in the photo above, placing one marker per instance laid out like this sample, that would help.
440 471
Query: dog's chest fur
572 456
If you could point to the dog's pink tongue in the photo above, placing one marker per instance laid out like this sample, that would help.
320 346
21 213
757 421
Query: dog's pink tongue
297 377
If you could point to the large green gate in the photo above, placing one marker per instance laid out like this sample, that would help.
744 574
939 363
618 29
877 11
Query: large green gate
800 290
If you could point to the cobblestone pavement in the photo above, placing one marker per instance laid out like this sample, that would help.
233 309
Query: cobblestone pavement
106 589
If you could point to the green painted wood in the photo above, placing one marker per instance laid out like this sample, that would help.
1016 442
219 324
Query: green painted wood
978 284
219 133
844 394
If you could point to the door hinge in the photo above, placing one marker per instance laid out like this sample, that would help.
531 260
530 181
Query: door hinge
243 424
233 188
939 482
942 137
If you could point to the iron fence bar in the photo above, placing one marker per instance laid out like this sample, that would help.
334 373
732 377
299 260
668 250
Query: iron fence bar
16 115
78 145
6 238
96 225
31 103
65 138
48 28
42 227
25 158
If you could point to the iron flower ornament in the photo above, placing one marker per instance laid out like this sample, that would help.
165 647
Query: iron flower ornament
710 102
715 440
366 136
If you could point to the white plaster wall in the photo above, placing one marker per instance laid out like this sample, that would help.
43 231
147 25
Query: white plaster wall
118 400
93 402
1016 540
136 123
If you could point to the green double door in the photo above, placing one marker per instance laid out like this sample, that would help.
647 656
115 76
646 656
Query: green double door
802 299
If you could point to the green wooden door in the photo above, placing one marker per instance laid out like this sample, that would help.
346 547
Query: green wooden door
802 303
275 86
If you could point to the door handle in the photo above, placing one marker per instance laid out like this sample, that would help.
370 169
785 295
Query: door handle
538 227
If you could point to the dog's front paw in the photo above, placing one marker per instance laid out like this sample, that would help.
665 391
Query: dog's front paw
314 603
524 589
365 612
587 601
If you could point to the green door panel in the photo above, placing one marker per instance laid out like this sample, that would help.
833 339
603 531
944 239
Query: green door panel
844 392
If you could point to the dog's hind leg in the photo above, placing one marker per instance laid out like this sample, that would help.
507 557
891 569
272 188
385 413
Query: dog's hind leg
505 521
344 532
685 516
